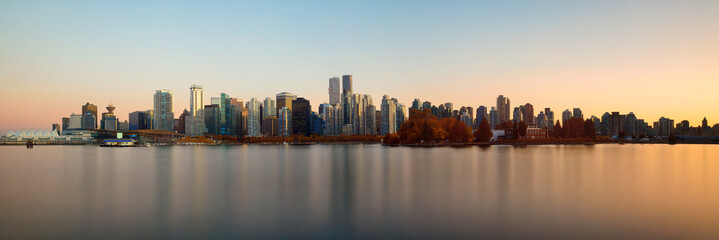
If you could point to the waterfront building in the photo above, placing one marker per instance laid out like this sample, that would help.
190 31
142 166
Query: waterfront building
503 107
212 119
163 111
197 96
137 120
285 122
301 111
92 108
326 113
225 114
195 125
109 120
317 124
466 118
416 105
238 117
180 122
470 112
389 115
270 125
630 124
65 123
664 127
56 128
149 119
335 91
253 117
123 126
370 116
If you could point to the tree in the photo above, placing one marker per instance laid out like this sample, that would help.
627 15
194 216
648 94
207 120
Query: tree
558 131
522 129
459 132
589 130
483 132
391 139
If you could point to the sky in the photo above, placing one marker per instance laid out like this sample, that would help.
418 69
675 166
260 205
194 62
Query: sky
654 58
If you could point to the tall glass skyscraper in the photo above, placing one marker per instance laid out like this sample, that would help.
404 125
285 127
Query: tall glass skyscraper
503 109
253 117
92 108
389 115
164 117
269 107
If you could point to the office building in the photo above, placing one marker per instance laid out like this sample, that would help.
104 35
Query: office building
577 113
76 121
528 114
389 115
137 120
284 99
503 108
285 122
335 91
163 111
92 109
253 117
212 119
197 96
481 115
301 111
493 118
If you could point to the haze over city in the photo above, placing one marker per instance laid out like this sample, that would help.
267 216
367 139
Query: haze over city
653 58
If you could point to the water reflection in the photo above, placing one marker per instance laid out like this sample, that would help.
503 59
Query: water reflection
360 191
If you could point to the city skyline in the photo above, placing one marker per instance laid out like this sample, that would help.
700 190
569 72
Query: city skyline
659 67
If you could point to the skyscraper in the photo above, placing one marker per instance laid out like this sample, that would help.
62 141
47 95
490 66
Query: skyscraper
109 120
269 108
389 115
347 84
550 118
301 111
528 114
253 117
197 96
137 120
285 122
93 109
212 119
577 113
517 115
164 118
493 118
335 91
284 99
225 114
503 108
566 115
481 115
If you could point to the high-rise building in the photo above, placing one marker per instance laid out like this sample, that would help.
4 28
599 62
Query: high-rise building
389 115
541 120
326 113
401 115
92 108
528 114
253 117
149 119
664 127
517 115
225 114
481 115
238 117
301 111
566 115
284 99
347 84
75 121
269 125
493 118
269 108
123 126
65 123
426 105
195 125
335 91
577 113
416 105
212 119
137 120
503 108
89 121
550 118
285 122
197 96
370 117
109 120
163 111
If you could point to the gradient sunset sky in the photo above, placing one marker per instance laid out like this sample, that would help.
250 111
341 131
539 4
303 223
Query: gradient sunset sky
653 58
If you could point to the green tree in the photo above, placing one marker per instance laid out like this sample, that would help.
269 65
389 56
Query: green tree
484 132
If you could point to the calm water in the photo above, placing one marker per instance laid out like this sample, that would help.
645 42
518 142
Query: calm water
360 191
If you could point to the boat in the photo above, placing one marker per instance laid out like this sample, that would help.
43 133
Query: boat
118 143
